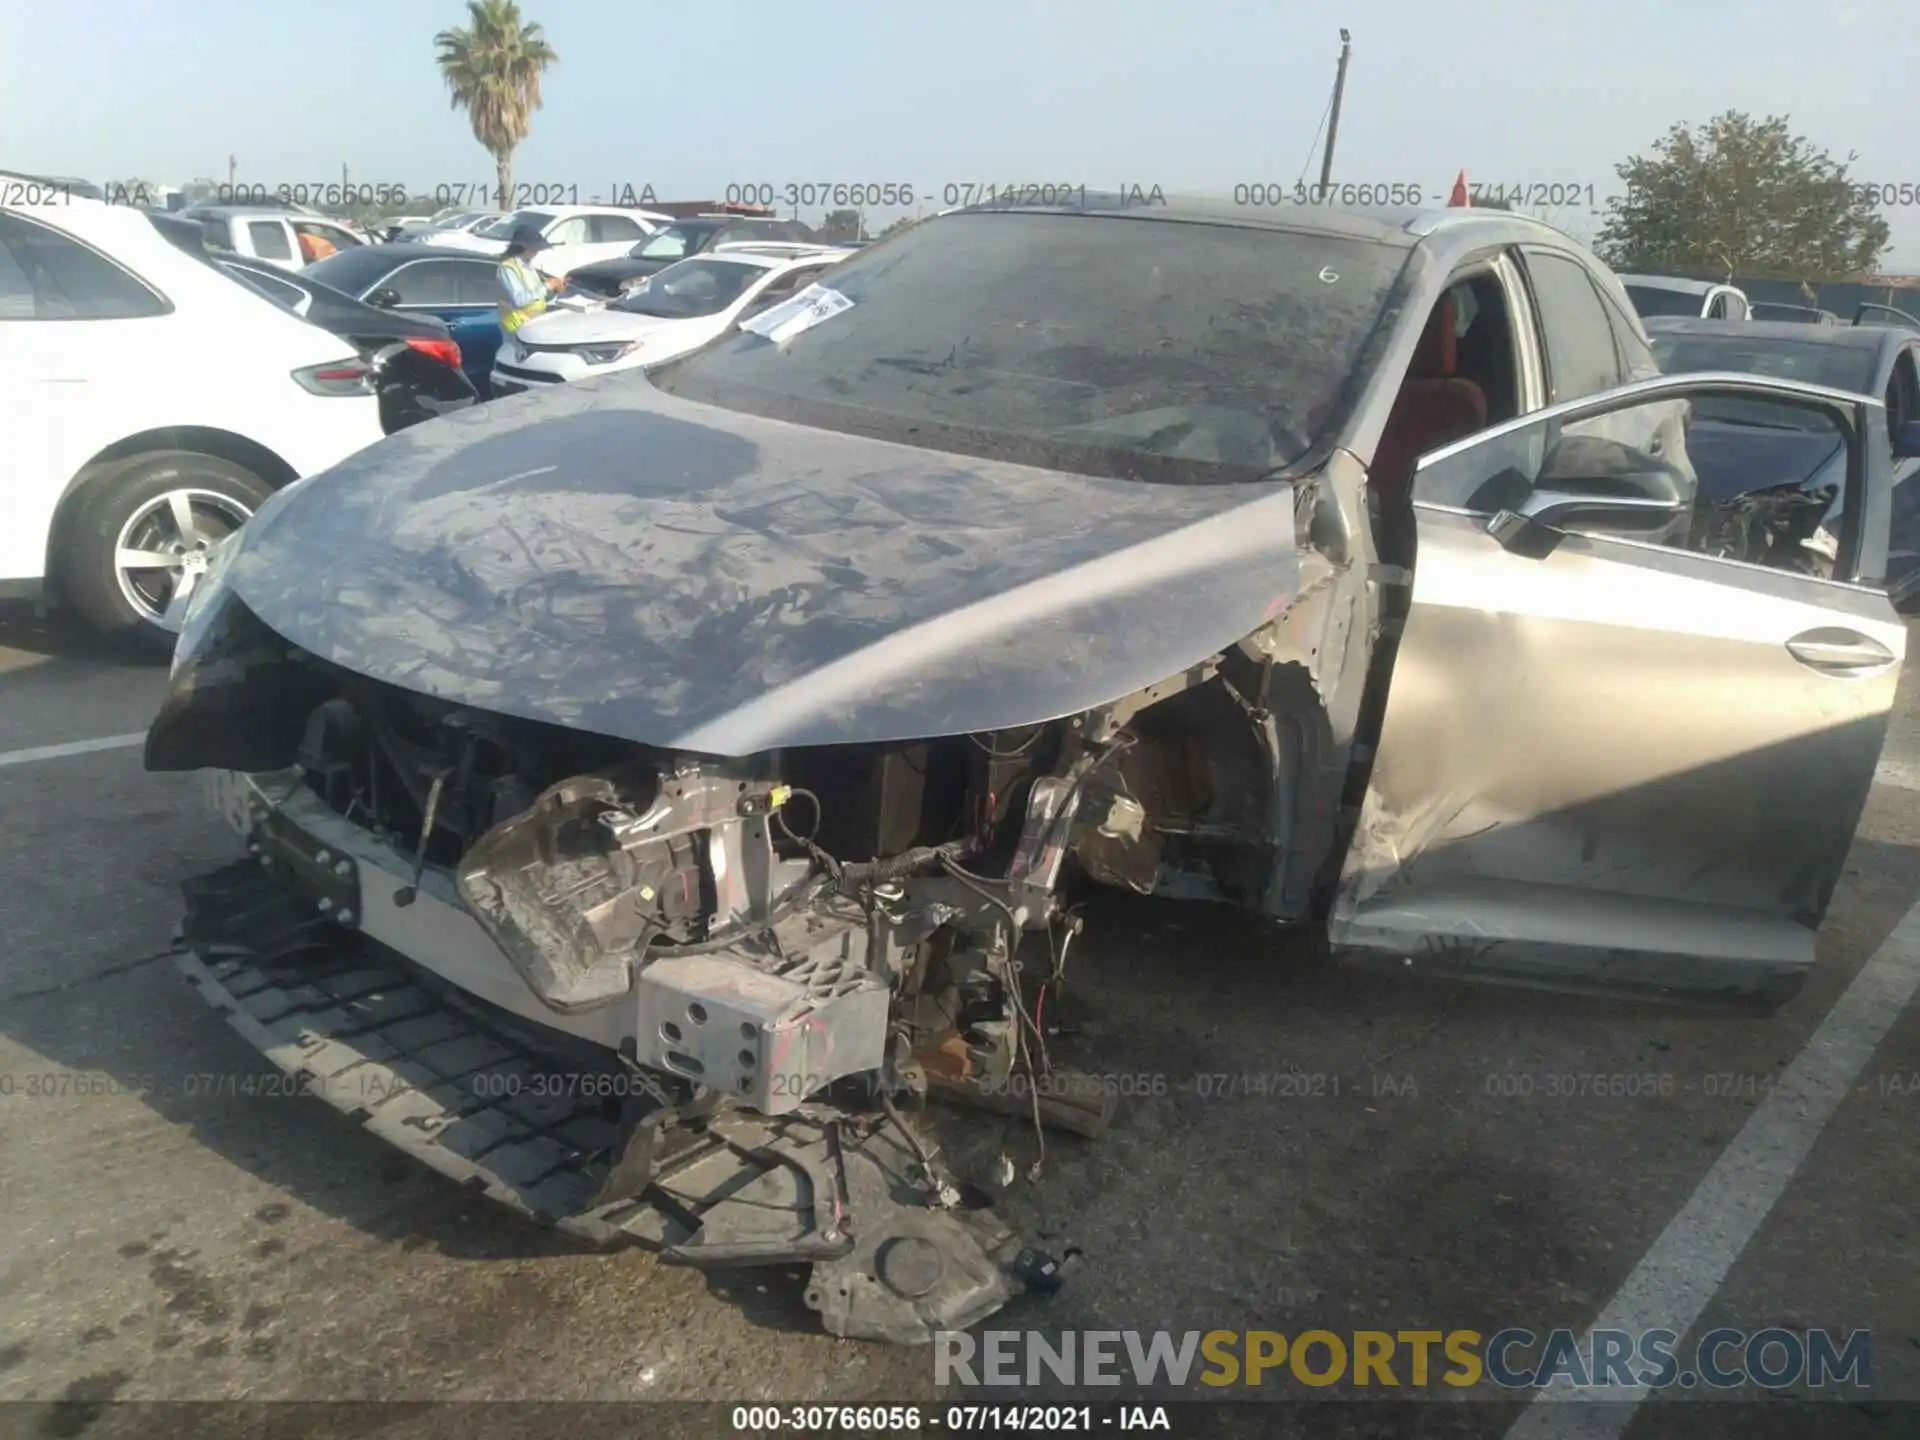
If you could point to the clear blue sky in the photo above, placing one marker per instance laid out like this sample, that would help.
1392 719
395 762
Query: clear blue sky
1196 95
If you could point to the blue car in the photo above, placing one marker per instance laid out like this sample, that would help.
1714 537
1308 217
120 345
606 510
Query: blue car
456 286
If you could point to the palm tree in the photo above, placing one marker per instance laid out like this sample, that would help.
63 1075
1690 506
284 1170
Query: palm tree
493 69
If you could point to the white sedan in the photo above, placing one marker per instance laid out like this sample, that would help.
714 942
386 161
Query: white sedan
675 311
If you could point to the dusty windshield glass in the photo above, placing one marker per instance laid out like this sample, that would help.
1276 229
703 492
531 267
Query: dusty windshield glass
1095 344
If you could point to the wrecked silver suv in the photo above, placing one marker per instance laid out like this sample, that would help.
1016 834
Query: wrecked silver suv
725 744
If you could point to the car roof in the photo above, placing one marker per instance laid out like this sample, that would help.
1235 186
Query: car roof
561 212
1858 337
1675 282
1454 229
399 254
260 212
772 254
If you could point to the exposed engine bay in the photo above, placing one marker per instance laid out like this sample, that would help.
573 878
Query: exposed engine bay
820 937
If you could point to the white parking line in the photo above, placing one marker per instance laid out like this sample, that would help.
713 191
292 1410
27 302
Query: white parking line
1674 1281
72 747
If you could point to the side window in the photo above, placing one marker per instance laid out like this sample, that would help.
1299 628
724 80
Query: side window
269 239
427 283
54 277
1758 480
608 228
1903 391
16 290
333 235
275 290
1581 354
571 231
475 284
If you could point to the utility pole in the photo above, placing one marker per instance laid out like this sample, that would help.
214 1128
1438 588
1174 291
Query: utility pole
233 164
1333 118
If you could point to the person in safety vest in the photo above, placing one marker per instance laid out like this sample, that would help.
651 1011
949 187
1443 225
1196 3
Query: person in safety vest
523 289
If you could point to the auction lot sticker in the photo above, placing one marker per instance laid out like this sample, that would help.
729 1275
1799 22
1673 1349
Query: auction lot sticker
780 323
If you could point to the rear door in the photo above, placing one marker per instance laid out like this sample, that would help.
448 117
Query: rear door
474 318
1607 758
610 237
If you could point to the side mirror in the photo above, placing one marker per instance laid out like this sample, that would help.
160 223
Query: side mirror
1906 441
386 297
1533 530
1626 512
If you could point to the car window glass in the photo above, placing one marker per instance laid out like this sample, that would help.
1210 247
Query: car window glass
1581 358
474 284
791 283
269 239
571 231
426 282
16 290
68 281
608 228
333 235
1764 483
277 291
1183 353
672 243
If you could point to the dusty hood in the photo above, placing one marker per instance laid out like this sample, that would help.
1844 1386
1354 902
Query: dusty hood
588 327
608 557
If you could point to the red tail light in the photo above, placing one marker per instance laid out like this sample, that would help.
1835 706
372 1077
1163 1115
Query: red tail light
338 377
445 351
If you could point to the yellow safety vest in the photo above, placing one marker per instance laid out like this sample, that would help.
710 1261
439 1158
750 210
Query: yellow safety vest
513 317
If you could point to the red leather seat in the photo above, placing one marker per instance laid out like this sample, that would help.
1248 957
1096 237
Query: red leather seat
1435 407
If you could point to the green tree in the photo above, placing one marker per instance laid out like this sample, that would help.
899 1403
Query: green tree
842 227
1740 196
905 222
493 69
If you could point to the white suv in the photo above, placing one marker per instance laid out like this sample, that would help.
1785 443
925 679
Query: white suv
155 405
576 235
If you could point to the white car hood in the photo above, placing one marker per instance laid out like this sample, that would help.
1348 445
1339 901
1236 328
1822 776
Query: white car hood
591 327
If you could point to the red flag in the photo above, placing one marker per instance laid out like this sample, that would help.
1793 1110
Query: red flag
1459 196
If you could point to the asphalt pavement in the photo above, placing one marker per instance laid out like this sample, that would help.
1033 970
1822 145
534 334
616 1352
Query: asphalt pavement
171 1236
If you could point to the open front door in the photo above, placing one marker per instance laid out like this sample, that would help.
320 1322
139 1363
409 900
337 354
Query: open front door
1627 736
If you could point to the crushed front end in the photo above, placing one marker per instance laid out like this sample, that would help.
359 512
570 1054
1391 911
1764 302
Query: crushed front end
696 1002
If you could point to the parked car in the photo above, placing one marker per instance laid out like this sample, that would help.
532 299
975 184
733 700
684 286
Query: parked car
1795 314
454 286
461 222
159 405
270 235
1743 447
682 240
1657 295
417 374
576 234
726 731
676 311
420 374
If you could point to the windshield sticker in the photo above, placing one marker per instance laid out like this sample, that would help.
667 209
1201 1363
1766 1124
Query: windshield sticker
780 323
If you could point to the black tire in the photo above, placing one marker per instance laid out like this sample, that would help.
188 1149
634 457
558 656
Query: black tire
89 578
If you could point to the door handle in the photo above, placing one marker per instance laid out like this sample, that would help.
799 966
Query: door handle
1835 651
